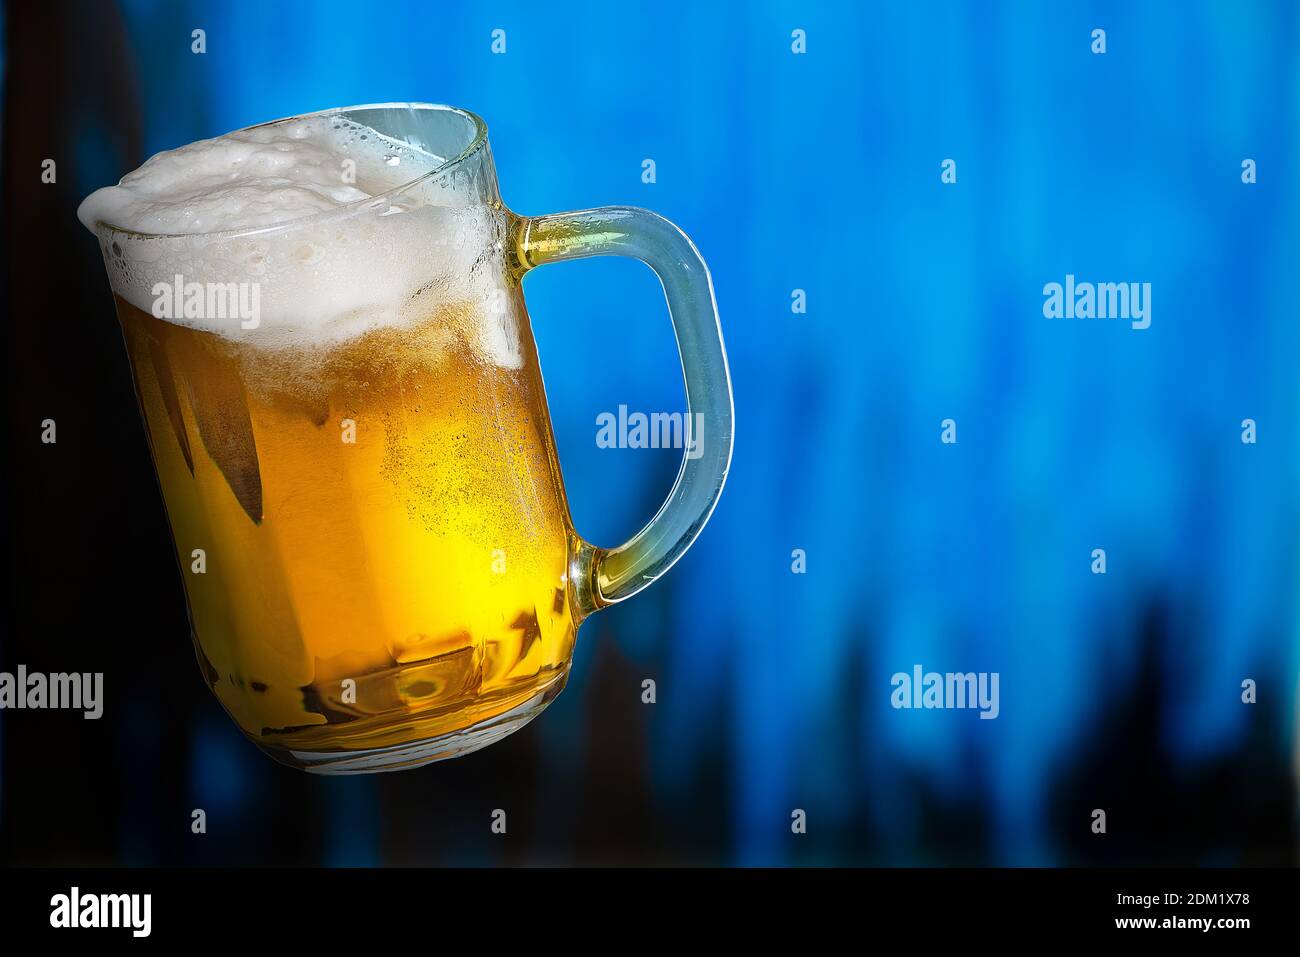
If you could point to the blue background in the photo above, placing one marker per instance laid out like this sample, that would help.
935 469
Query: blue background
821 172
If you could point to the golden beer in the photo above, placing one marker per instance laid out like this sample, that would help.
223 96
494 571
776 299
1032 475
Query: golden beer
386 512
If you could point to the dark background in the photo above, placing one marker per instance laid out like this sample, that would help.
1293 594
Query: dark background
819 172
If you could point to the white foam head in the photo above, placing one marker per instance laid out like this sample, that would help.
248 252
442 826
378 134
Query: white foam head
305 210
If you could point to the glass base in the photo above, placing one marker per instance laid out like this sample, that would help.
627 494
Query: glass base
399 757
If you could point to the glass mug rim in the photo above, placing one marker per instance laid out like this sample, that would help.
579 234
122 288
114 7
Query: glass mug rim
476 145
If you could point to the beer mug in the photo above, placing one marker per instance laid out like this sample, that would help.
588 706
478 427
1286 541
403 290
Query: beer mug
347 419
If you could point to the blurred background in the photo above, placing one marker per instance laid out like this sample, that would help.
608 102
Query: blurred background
819 172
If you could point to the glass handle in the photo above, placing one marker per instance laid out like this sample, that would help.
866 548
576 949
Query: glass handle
602 576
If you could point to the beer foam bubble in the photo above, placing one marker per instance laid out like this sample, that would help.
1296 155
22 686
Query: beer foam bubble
303 212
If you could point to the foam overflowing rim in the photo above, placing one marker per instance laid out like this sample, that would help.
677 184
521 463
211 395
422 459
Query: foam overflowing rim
476 144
